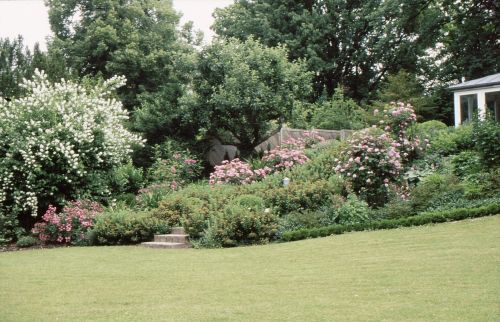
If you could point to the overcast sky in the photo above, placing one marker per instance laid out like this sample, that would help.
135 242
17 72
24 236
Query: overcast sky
30 19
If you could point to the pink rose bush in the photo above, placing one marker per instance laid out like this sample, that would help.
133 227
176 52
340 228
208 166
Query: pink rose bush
284 158
290 154
398 120
70 225
374 160
237 172
308 139
370 163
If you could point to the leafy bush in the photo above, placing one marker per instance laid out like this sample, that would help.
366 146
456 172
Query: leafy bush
486 135
429 130
26 241
394 209
339 113
125 227
174 208
250 202
178 169
59 142
243 226
482 184
324 216
353 211
70 225
8 225
466 163
301 196
321 165
452 141
126 179
431 187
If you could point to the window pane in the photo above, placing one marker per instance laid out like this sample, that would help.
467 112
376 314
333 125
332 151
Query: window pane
468 107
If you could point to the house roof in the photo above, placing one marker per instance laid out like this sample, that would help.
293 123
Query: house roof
486 81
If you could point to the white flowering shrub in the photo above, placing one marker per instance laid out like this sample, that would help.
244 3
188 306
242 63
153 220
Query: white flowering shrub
59 143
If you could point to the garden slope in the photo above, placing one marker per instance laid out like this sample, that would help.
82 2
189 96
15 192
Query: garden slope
446 272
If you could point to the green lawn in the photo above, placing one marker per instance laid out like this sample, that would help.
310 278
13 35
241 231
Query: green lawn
446 272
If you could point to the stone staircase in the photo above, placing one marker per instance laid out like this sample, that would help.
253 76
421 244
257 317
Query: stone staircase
176 239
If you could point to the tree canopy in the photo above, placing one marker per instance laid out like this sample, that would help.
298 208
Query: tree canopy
240 87
136 39
349 43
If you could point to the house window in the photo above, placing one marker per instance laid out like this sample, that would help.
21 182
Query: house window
468 107
493 105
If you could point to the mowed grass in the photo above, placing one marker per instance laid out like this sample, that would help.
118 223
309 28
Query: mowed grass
446 272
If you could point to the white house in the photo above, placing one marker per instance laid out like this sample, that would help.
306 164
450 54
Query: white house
477 96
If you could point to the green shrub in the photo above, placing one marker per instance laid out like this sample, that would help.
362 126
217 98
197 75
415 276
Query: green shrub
174 166
464 137
486 139
430 129
431 187
466 163
26 241
394 209
190 212
339 113
482 184
250 202
321 165
306 219
8 226
126 179
452 141
353 211
243 226
300 196
125 227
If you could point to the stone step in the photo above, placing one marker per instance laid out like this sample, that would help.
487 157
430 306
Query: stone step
178 231
164 245
172 238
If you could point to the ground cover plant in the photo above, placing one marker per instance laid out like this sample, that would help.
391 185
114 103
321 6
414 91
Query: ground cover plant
445 272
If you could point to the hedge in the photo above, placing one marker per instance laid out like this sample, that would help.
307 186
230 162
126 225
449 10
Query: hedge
417 220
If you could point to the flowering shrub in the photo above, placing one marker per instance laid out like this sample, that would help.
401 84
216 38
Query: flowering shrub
284 158
176 171
70 225
370 162
308 139
398 120
57 140
236 171
291 153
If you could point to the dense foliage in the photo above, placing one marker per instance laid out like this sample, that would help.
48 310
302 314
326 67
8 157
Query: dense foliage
348 43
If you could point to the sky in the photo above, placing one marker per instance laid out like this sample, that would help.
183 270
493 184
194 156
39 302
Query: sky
30 18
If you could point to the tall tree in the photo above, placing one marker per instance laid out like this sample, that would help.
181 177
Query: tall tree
242 87
345 42
15 64
469 43
137 39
